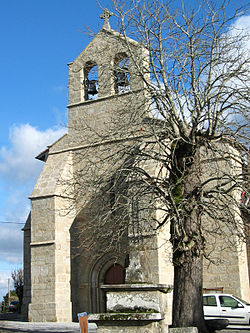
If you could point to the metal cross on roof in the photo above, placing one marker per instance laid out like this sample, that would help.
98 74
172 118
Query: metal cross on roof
106 15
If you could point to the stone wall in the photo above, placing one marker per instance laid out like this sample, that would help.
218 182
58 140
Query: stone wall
51 217
227 266
26 268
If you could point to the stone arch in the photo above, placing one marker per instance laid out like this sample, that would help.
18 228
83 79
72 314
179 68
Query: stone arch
97 278
90 80
121 73
90 259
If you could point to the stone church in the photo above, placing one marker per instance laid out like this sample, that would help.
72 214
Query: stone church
62 278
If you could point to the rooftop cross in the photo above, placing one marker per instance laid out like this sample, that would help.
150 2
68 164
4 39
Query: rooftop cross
106 15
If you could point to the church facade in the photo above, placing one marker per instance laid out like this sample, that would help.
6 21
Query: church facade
61 277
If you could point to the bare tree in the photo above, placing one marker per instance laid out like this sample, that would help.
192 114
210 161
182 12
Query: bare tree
183 149
17 277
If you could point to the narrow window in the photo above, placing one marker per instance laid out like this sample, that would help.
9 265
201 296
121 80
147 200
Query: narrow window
121 73
90 81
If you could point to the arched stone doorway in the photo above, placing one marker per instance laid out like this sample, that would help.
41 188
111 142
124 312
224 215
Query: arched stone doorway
93 267
108 269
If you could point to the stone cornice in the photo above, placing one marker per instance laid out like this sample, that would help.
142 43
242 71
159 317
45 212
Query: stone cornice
103 98
74 148
45 243
166 288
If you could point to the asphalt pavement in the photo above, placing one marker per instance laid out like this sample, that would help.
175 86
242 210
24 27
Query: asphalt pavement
13 322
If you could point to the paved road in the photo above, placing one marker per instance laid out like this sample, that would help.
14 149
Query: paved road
11 316
11 322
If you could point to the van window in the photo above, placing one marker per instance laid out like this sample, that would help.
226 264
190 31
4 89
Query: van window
209 301
227 301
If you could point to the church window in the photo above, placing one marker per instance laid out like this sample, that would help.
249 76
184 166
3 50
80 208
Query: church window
91 81
121 73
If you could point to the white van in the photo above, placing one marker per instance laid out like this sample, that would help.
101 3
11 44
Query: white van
225 306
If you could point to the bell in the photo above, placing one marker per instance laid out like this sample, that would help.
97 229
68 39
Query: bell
122 78
91 84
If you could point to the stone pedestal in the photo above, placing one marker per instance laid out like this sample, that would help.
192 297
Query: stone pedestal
128 322
134 308
149 298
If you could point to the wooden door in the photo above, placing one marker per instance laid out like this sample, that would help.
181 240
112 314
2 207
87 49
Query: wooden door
114 275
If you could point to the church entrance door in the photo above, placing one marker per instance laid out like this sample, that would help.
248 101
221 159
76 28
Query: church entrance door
114 275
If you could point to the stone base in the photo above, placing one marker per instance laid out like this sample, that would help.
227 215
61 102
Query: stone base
50 312
184 330
149 328
129 322
137 297
134 308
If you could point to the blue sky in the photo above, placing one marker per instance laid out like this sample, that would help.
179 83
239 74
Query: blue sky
38 39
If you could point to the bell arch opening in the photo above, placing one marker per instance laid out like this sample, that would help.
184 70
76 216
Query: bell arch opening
121 73
90 81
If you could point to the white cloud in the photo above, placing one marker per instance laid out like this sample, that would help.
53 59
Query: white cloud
18 162
18 172
240 30
11 243
243 23
4 276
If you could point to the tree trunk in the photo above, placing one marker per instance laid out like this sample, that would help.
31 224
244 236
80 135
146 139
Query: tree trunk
187 296
187 241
